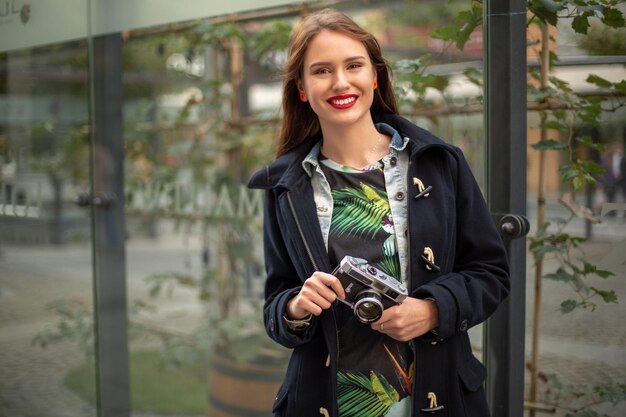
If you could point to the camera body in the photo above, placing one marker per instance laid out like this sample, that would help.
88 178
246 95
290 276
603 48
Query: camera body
369 291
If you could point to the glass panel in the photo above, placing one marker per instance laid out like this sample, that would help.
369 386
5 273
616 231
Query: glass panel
46 322
200 112
580 338
193 236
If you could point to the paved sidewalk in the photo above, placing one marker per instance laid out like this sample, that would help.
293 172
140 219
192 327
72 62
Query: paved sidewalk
583 347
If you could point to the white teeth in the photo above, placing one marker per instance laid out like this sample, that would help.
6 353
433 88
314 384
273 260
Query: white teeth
342 102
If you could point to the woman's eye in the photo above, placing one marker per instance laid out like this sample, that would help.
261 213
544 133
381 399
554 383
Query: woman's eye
355 65
322 71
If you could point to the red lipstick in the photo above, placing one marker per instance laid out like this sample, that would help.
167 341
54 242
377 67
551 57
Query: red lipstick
343 101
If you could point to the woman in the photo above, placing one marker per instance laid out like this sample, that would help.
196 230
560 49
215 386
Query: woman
354 178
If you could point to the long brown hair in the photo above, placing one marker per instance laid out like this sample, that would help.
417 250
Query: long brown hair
299 121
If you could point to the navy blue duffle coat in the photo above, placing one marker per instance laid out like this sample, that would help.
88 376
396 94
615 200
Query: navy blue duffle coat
470 282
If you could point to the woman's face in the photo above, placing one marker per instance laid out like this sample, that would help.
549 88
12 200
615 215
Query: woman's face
338 79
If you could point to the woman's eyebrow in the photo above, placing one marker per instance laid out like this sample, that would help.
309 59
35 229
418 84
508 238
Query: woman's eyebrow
323 63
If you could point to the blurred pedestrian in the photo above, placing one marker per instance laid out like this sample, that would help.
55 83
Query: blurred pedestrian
612 180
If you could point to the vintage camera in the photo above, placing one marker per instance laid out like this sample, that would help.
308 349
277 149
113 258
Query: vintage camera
368 290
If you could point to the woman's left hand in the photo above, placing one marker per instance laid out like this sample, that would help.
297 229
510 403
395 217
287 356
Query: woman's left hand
411 319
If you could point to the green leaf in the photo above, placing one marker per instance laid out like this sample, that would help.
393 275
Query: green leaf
543 250
603 274
560 84
560 275
435 81
607 296
553 125
580 173
599 81
356 396
384 391
410 65
588 140
568 306
591 167
580 24
549 145
469 20
588 268
580 182
446 33
545 10
613 17
591 113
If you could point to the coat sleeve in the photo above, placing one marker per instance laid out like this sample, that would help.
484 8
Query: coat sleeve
479 279
282 282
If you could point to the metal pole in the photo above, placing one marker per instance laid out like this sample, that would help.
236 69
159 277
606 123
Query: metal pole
107 203
505 129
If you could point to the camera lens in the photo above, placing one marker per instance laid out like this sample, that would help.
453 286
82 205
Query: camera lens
368 306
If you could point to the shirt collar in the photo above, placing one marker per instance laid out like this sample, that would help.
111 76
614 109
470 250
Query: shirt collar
310 163
397 142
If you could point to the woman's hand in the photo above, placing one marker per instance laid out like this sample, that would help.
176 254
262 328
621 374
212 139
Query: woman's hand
318 293
411 319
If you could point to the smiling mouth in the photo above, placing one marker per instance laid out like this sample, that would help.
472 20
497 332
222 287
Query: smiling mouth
342 102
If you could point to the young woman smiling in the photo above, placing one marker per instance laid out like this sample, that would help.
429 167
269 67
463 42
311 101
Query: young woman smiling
353 178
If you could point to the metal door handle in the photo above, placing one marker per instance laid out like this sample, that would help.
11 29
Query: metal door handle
513 226
102 200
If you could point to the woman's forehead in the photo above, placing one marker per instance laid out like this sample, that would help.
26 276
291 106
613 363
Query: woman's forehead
333 46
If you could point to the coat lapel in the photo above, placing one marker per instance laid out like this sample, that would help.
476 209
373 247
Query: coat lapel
298 205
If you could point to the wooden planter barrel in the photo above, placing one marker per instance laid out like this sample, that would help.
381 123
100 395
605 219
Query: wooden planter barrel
241 389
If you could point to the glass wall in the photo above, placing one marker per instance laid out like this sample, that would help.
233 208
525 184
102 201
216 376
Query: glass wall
46 279
181 258
575 341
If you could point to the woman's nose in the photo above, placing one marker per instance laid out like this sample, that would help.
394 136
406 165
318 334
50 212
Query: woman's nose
340 82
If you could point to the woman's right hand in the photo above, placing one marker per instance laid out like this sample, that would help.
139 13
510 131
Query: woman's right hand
318 293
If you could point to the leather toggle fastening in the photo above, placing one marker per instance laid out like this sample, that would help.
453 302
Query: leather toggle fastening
432 406
429 258
423 191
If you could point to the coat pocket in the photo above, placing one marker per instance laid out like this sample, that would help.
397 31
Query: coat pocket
472 374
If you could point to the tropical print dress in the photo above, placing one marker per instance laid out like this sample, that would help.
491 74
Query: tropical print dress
375 372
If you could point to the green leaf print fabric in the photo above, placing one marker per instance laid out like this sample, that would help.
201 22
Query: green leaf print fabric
375 371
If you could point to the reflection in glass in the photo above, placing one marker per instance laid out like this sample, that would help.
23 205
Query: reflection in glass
46 323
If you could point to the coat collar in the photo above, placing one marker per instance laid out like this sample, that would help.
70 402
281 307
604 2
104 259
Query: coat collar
419 139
